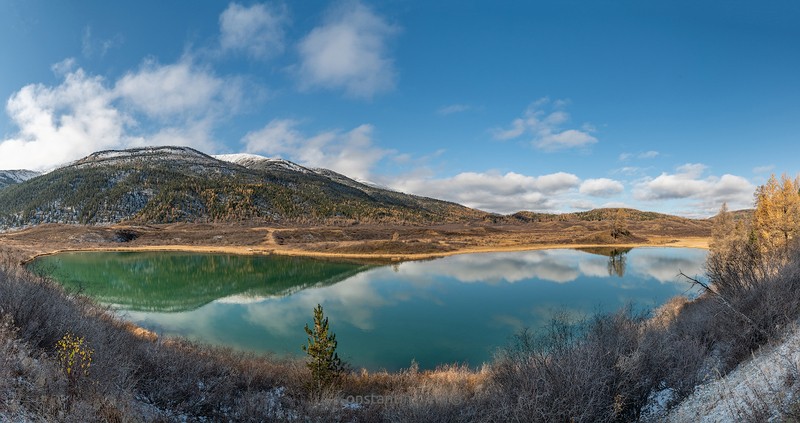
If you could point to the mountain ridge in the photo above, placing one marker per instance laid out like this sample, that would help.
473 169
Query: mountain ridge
16 176
180 184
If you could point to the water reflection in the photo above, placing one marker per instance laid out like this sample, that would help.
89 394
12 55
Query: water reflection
455 309
182 281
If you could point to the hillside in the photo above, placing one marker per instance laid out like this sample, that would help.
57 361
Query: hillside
12 177
594 215
178 184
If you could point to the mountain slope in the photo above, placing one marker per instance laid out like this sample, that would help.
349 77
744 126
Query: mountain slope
169 184
11 177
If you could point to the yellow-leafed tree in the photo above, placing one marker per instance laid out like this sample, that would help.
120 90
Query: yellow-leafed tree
777 215
723 233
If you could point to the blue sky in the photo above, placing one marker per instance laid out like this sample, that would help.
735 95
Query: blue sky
543 105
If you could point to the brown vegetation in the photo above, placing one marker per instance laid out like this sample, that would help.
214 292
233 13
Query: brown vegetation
516 232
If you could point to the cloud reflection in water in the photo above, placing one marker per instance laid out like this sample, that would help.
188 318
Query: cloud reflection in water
455 309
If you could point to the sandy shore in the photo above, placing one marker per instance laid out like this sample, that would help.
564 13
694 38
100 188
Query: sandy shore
694 242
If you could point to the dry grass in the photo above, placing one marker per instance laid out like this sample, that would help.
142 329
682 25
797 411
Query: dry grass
363 240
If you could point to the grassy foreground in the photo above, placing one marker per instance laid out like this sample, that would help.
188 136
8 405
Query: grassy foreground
607 368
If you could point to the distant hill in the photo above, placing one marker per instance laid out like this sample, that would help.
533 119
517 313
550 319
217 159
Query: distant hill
595 215
172 184
12 177
738 215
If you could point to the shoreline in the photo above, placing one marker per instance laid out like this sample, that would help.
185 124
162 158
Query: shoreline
688 242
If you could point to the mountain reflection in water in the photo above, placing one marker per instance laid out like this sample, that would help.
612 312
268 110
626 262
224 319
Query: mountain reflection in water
454 309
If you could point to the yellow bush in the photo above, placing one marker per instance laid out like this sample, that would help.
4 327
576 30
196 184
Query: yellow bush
74 354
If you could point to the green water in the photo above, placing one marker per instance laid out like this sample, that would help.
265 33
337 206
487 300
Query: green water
456 309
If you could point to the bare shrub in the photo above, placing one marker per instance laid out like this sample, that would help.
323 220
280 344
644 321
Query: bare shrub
577 372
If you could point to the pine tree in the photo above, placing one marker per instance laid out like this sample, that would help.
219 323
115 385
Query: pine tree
324 362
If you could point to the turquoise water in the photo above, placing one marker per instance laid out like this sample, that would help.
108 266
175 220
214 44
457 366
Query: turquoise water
457 309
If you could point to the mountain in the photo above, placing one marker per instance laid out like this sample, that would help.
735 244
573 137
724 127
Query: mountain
256 162
171 184
11 177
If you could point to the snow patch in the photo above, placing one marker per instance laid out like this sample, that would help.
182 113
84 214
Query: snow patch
657 404
18 176
239 158
145 152
251 160
757 388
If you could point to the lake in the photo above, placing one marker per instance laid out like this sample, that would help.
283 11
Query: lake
456 309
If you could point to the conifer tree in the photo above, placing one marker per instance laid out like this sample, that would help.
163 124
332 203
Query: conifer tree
777 216
324 363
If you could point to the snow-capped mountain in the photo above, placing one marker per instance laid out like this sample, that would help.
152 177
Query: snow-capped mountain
11 177
170 184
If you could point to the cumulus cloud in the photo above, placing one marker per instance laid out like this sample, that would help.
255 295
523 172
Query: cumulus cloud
351 153
492 191
543 121
689 182
602 187
558 266
163 91
176 104
348 51
61 123
257 30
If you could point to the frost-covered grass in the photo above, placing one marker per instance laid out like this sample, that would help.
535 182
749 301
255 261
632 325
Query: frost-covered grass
763 388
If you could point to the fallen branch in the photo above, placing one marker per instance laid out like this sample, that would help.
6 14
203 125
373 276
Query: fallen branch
725 302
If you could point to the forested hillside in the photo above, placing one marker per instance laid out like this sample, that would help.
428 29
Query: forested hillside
171 184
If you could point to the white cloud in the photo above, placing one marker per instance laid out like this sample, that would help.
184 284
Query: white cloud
348 51
91 47
689 182
763 169
351 153
491 191
543 121
65 66
602 187
582 205
616 205
195 134
257 30
453 108
61 123
652 154
176 104
570 138
493 268
163 91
